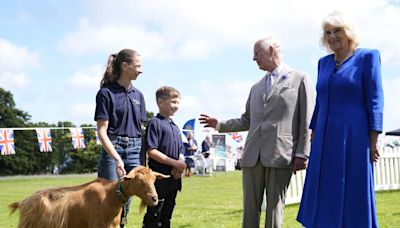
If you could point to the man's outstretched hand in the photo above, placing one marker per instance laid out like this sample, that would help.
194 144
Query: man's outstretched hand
208 121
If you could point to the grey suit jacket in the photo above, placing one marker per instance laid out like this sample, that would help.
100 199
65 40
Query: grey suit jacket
277 124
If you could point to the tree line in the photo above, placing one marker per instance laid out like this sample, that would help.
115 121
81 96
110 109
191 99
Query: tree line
28 159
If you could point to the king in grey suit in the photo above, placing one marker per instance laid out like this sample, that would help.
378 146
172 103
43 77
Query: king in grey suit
277 116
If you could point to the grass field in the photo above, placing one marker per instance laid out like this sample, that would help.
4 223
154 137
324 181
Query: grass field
204 202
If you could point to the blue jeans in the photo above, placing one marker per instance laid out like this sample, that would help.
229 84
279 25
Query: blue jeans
129 151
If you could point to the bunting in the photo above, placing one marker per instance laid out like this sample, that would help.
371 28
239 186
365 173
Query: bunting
237 137
78 139
7 142
44 139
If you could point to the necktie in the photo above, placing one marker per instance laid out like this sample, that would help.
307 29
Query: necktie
272 78
269 82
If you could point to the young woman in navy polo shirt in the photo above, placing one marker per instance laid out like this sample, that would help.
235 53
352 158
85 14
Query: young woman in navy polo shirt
120 114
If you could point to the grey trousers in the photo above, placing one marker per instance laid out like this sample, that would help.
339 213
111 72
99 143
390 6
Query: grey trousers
275 182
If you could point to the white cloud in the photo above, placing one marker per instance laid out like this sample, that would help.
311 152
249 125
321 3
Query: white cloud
110 37
189 103
88 77
380 29
14 60
193 49
226 100
197 29
178 30
13 80
82 111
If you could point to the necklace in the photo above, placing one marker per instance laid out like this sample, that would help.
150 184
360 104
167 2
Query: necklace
339 63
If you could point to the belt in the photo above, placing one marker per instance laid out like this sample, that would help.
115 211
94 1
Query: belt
122 138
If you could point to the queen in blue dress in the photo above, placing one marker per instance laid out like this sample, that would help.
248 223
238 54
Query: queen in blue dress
339 185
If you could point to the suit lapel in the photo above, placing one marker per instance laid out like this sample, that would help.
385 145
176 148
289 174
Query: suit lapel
281 78
261 89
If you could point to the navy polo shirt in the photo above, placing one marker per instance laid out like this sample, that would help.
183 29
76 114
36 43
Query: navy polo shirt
162 134
124 110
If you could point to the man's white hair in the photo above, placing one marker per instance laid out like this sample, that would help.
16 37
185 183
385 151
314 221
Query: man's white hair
268 41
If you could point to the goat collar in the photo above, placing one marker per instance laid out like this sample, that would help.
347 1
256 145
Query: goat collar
120 192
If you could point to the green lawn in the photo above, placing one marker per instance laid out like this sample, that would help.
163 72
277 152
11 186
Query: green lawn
204 202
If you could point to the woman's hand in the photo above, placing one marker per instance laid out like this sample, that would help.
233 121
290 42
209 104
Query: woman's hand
373 148
374 154
119 165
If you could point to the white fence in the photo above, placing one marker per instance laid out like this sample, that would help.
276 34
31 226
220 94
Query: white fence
386 171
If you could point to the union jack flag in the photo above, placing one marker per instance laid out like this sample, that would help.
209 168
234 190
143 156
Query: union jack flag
7 142
236 136
78 140
44 139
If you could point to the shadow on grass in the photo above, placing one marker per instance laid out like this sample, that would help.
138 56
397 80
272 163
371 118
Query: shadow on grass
233 212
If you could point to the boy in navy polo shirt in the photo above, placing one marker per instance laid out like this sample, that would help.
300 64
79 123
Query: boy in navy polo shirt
165 149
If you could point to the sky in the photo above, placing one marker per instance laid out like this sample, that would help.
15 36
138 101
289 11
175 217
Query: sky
53 53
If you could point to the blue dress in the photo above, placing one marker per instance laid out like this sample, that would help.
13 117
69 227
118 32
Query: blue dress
189 153
339 185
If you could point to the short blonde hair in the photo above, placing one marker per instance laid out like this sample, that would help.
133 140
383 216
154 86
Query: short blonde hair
338 19
167 92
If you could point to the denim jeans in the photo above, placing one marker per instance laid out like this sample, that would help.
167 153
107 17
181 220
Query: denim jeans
129 151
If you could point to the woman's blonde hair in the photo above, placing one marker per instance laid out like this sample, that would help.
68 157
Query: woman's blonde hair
338 19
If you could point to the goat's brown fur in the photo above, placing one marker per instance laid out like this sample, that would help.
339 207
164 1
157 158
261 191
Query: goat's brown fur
94 204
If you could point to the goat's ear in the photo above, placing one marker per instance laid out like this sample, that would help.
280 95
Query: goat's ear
127 177
130 175
160 176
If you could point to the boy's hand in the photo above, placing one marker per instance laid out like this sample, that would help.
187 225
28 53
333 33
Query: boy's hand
180 166
176 174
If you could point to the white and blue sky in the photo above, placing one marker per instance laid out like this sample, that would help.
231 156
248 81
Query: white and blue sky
53 52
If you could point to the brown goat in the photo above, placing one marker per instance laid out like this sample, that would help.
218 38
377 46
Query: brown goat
94 204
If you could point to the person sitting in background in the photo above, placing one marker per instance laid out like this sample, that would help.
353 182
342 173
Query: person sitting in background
239 153
205 146
190 149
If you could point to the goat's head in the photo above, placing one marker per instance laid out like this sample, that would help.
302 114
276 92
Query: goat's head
140 182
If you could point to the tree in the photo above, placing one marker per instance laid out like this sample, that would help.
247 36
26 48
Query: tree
26 161
9 115
149 115
84 160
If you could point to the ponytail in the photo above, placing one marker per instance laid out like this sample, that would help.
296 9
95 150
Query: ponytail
114 62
